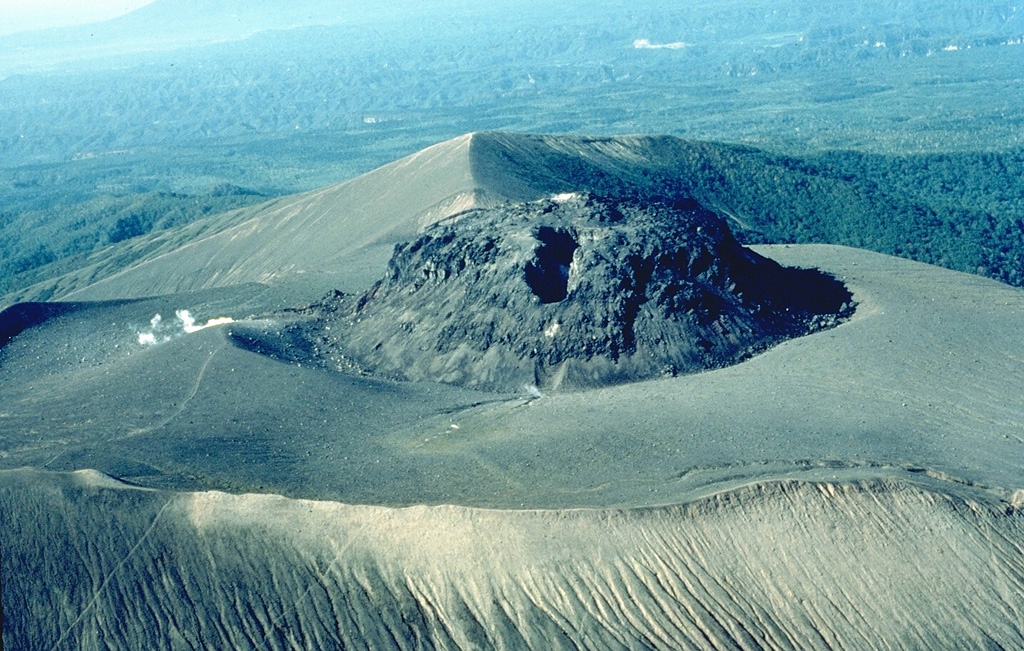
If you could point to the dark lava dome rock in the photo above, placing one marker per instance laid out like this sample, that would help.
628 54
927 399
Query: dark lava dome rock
572 292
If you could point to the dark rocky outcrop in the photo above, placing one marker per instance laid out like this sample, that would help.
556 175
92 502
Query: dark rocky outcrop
574 291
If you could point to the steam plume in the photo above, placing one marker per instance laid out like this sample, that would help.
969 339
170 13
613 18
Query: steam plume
184 323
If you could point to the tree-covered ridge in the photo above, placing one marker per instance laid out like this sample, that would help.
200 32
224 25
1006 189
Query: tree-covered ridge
38 238
960 211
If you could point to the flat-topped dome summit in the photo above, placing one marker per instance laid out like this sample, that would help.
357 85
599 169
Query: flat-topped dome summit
572 291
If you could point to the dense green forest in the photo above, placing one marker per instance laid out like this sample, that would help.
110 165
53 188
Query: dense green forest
960 211
34 239
966 212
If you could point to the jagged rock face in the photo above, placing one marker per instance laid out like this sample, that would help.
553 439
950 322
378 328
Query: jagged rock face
573 292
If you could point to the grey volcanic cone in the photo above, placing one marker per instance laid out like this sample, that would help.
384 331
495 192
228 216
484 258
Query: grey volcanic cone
574 291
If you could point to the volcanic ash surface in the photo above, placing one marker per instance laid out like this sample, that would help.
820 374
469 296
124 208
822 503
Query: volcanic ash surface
572 292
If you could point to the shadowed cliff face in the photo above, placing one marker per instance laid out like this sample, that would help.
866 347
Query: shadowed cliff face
573 292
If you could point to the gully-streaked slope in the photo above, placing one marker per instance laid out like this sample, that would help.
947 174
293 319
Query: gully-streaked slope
777 565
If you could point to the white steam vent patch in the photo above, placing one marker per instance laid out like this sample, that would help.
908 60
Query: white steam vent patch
645 44
161 331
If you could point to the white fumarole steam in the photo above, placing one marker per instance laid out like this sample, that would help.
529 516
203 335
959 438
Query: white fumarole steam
184 323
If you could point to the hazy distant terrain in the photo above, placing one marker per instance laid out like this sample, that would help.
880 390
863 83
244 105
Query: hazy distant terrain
427 325
180 99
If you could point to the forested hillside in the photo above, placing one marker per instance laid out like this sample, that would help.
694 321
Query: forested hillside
960 211
57 234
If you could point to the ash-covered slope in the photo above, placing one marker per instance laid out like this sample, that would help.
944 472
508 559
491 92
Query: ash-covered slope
346 231
571 292
844 489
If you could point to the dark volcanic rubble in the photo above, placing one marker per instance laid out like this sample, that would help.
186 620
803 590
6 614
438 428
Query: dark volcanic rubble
575 291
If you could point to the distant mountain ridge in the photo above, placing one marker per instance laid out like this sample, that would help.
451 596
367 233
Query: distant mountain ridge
195 21
173 24
170 24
